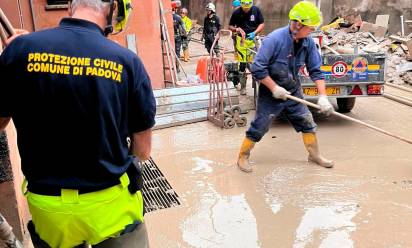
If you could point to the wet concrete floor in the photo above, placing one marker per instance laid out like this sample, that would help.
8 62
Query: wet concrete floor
365 201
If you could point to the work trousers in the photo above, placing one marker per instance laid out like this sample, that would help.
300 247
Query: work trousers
208 44
72 219
185 42
135 239
269 108
178 44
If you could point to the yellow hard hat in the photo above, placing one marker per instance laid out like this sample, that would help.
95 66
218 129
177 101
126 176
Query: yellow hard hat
306 13
124 10
246 3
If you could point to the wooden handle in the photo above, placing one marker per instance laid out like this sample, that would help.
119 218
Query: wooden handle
351 119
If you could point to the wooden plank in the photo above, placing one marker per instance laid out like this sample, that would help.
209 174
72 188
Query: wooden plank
398 38
382 20
409 45
180 119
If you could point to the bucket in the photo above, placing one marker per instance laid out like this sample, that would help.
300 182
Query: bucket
201 69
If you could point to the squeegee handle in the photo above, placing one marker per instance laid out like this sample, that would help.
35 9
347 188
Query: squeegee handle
350 119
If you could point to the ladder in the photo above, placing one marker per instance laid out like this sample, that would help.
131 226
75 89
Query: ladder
167 50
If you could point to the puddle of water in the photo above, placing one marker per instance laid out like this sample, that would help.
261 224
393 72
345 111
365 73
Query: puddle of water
221 221
334 223
202 165
274 205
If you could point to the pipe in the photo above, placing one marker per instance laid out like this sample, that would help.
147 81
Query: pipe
6 23
399 87
350 119
402 27
33 18
399 99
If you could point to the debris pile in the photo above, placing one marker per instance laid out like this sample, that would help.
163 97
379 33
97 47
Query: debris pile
351 36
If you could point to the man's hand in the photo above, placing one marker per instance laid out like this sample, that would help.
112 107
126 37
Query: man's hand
280 93
251 36
241 32
325 106
17 34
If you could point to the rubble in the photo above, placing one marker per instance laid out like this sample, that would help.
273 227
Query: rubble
372 38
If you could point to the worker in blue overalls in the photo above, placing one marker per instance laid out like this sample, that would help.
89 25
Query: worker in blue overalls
75 98
276 66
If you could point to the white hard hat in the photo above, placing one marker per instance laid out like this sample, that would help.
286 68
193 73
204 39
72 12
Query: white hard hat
211 6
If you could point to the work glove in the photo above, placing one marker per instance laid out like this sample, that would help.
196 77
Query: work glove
280 93
325 106
251 36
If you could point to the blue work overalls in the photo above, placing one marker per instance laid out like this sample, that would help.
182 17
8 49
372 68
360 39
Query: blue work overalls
277 58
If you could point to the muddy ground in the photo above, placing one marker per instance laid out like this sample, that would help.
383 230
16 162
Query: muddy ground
365 201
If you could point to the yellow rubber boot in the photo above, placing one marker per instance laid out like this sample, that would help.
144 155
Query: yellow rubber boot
311 144
244 154
186 55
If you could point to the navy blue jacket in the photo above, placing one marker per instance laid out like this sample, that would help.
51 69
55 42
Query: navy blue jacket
276 58
74 97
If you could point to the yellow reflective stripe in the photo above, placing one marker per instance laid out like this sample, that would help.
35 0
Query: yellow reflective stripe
328 68
374 67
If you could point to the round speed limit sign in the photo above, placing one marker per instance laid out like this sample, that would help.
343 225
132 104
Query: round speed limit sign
339 69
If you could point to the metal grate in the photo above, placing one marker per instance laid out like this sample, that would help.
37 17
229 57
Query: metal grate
157 192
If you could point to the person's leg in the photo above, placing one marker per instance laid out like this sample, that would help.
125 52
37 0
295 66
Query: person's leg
267 109
185 48
208 45
243 78
302 120
138 238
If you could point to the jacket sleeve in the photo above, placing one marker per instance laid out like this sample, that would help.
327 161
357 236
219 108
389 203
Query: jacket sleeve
204 27
260 67
218 26
314 62
8 72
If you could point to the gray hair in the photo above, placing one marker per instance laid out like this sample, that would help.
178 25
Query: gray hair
97 5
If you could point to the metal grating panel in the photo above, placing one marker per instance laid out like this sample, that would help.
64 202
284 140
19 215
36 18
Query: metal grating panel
157 192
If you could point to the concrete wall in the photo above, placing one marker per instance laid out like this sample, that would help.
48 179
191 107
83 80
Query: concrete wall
276 11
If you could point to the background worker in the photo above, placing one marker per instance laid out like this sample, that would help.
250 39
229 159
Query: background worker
276 66
83 182
211 26
246 22
188 27
235 6
178 29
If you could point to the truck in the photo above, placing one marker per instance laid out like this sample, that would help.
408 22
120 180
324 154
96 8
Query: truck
348 76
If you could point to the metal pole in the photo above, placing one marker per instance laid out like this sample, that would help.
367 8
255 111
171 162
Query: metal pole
6 23
351 119
402 27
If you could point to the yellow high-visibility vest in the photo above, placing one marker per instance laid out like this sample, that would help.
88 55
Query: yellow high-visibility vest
188 23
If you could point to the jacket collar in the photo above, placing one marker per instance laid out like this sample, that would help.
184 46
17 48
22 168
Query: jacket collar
83 24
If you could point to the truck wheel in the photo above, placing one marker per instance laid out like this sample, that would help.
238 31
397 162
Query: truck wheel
345 105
